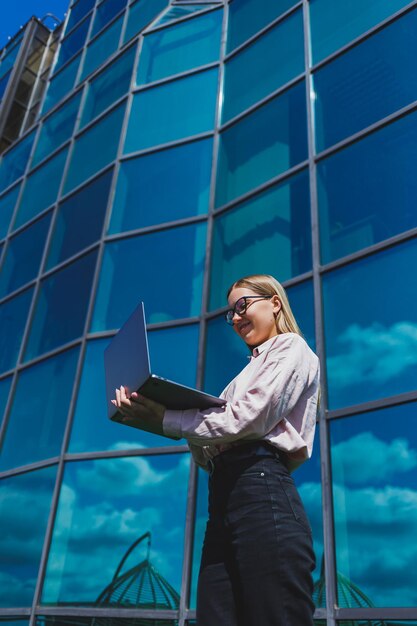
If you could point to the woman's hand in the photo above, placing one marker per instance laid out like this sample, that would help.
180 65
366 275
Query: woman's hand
139 411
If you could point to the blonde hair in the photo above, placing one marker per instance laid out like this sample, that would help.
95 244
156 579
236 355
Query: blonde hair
266 285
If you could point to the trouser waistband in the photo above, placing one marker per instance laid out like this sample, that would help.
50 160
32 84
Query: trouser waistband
245 451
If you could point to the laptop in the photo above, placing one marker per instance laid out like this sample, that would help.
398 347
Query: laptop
126 361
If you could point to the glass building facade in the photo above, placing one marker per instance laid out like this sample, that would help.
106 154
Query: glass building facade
178 146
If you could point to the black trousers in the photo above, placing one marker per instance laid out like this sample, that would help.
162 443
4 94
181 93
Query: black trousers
257 554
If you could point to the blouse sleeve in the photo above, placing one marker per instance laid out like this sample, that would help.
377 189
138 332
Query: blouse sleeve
262 399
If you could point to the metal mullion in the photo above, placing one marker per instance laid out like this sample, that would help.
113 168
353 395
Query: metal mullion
372 405
107 26
327 495
77 611
260 103
264 30
18 612
366 35
174 77
370 250
38 79
129 452
148 30
74 28
30 467
47 355
368 130
166 146
188 540
129 234
374 613
183 321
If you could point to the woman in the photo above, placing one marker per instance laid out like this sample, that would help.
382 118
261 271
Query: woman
257 555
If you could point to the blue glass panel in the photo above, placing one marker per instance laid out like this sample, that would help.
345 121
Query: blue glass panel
23 256
371 347
172 111
334 24
269 62
3 84
177 12
41 188
108 87
87 207
267 234
24 511
374 471
13 163
56 129
138 261
247 17
262 145
61 84
101 48
140 14
7 204
301 298
106 11
126 498
78 11
72 43
141 200
184 46
49 386
351 94
221 339
95 148
13 314
164 348
379 168
61 306
4 395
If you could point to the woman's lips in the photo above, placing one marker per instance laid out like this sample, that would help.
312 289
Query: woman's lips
244 326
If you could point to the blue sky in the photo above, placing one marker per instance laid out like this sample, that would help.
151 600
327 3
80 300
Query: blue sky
18 13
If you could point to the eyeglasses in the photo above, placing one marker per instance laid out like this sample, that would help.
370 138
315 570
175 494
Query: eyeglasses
241 306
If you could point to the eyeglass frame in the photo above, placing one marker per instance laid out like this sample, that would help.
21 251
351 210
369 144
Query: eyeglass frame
230 313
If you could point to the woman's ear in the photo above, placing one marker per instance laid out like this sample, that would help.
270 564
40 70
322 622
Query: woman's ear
276 302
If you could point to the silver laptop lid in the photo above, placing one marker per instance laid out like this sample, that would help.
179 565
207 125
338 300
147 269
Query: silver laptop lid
127 357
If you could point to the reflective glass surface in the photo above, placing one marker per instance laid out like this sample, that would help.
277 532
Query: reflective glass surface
371 345
141 200
374 470
95 148
177 12
13 162
61 306
61 84
201 516
334 24
106 11
221 338
23 256
141 13
73 43
351 94
13 314
86 207
78 11
247 17
41 188
144 262
102 47
56 129
262 145
277 223
91 410
367 191
7 204
48 384
184 46
172 111
124 498
266 64
4 395
108 87
22 534
301 300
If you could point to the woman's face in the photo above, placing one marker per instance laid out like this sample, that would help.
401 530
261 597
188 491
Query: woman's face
257 324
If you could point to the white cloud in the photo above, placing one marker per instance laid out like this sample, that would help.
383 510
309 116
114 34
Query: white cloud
374 354
364 458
